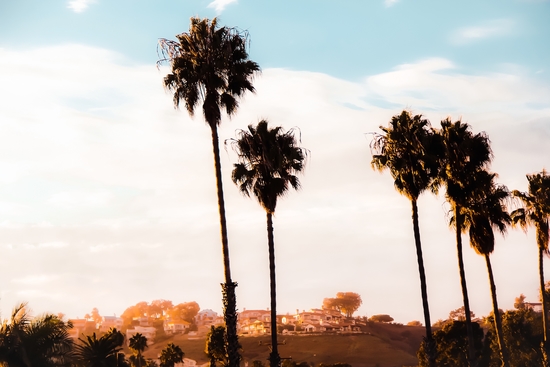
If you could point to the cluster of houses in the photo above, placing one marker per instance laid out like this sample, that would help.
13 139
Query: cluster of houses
250 322
258 322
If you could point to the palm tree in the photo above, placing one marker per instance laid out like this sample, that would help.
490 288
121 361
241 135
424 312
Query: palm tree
466 154
210 65
536 212
269 160
411 151
41 341
171 355
138 343
102 352
482 215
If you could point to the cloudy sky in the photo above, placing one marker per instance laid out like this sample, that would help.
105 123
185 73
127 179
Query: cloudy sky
107 193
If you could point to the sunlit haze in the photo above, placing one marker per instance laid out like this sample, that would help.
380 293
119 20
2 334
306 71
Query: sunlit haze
107 193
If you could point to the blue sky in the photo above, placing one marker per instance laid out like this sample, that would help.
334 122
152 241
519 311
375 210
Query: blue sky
107 193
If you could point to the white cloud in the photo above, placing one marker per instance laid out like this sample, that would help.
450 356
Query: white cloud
78 6
220 5
489 29
80 199
389 3
36 279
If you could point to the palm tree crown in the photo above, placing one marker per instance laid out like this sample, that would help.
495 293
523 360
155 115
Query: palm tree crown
485 212
209 64
269 160
536 207
411 151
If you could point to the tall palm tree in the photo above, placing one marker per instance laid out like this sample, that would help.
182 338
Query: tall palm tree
269 160
210 66
138 343
466 155
536 212
485 213
412 152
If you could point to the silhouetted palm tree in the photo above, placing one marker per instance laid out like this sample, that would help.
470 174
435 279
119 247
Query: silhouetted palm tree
210 66
412 152
138 343
466 154
485 213
269 160
41 341
536 212
171 355
102 352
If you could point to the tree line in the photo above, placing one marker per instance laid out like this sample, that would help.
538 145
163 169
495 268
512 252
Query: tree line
423 158
45 341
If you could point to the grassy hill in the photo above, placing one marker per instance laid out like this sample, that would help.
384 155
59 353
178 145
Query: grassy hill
379 345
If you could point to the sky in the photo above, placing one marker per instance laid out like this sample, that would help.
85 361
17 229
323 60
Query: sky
107 193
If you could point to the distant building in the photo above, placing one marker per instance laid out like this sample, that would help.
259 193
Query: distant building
176 327
108 322
79 326
535 306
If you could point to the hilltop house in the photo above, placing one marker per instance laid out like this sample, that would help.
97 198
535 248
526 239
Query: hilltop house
108 322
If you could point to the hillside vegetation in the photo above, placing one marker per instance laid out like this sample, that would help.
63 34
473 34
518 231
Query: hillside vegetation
382 345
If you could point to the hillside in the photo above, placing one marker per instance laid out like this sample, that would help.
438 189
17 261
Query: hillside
380 345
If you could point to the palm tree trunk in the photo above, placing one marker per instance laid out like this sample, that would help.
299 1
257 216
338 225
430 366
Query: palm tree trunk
544 345
429 343
504 357
228 289
472 360
274 358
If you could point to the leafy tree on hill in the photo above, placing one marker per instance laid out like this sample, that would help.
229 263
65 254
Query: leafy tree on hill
184 311
345 302
210 67
522 332
452 345
381 318
460 315
95 316
519 303
158 308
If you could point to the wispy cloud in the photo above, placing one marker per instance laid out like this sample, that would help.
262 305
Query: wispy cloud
389 3
489 29
78 6
220 5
